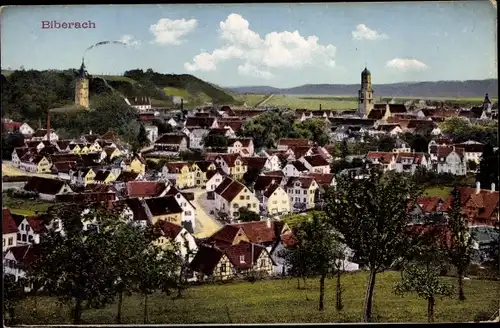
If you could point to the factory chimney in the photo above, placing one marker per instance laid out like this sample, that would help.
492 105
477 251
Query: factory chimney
48 125
182 103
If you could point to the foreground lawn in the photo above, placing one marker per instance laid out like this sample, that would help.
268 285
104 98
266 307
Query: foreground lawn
23 206
277 301
442 192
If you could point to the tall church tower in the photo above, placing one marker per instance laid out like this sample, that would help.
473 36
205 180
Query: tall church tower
487 104
365 94
82 88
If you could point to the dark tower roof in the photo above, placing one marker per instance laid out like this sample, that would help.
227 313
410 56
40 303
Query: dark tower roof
82 72
365 72
487 99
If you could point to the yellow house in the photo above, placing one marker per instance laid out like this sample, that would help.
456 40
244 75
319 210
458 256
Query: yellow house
74 149
104 177
137 164
84 176
302 192
164 208
94 147
181 172
84 149
232 164
112 152
43 165
275 200
231 196
200 170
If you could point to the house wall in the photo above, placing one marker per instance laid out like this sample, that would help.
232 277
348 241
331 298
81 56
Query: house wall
26 129
9 240
453 165
173 218
290 171
15 159
9 267
238 170
244 199
25 234
278 202
136 166
189 211
43 166
214 182
224 270
298 194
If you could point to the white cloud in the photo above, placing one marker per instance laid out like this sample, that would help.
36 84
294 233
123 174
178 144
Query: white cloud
259 55
406 64
129 40
171 32
363 32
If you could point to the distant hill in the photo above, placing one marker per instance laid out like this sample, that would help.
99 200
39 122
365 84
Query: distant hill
470 88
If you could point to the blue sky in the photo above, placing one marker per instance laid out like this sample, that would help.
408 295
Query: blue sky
256 44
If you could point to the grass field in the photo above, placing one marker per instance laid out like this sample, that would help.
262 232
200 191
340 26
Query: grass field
312 102
117 78
176 92
442 192
251 100
277 301
24 206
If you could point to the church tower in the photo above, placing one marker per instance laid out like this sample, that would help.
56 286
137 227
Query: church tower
365 94
82 88
487 104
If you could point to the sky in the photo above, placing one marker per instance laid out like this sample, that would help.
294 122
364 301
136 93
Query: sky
280 45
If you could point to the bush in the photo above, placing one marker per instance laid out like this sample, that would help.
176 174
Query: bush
482 316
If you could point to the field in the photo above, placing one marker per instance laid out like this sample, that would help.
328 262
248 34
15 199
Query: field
251 100
277 301
117 78
442 192
313 102
24 206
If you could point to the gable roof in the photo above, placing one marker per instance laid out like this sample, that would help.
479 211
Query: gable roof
316 160
294 142
44 185
199 121
102 175
245 142
171 139
376 113
416 158
8 223
299 166
206 259
229 189
145 188
230 158
323 179
170 230
36 223
382 156
429 204
163 205
305 182
259 232
255 162
126 176
225 235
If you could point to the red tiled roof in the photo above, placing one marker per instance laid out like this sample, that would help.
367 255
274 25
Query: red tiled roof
36 223
323 179
429 204
477 206
175 167
226 234
292 142
262 182
316 160
417 158
231 191
439 231
206 259
383 157
230 158
243 250
8 223
299 166
163 205
144 188
171 230
305 182
299 151
258 232
44 185
199 121
171 139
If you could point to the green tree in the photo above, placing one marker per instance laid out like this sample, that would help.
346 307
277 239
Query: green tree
422 274
321 247
385 143
216 142
488 167
371 215
344 149
460 250
267 128
247 215
10 141
142 137
162 126
75 265
13 292
318 130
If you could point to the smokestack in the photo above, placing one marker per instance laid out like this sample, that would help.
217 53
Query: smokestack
492 187
478 187
319 106
182 103
48 125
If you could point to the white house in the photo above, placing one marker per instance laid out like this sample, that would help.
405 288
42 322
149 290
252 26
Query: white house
26 130
241 146
141 103
16 258
315 164
185 241
188 209
451 160
294 169
196 137
152 132
302 191
9 229
410 162
473 150
273 163
214 178
41 134
172 122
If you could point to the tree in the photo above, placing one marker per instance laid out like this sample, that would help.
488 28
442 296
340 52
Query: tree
217 142
344 149
247 215
472 165
422 274
162 126
142 137
460 250
10 141
13 292
320 247
75 266
385 143
318 130
371 214
488 167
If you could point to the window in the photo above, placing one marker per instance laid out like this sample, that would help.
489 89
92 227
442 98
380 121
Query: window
4 242
297 191
22 226
27 228
305 192
254 205
283 201
187 212
178 196
275 202
30 238
305 200
11 241
242 197
18 236
236 206
223 268
242 258
248 197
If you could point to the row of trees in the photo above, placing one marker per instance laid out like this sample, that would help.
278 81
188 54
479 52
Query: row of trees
267 128
371 218
90 268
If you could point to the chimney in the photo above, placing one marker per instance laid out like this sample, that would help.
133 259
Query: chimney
268 223
492 187
478 187
182 103
48 125
319 106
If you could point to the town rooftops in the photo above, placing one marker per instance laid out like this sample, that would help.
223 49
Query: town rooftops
229 189
8 223
145 188
44 185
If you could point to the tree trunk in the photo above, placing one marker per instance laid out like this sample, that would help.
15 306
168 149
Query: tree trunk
180 283
461 295
430 309
322 292
298 283
339 306
119 313
77 312
145 308
305 283
367 307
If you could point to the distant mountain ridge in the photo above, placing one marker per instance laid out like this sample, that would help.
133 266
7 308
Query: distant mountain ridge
469 88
